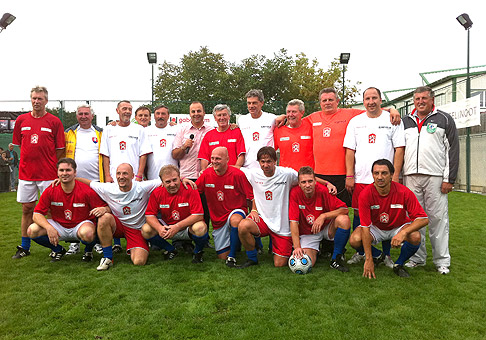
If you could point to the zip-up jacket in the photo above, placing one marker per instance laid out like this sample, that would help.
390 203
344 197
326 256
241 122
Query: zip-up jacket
434 150
70 134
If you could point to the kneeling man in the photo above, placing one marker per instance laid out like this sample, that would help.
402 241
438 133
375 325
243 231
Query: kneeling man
388 211
314 215
182 215
73 206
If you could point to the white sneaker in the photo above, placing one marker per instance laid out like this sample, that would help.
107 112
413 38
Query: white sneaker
356 258
443 270
98 248
73 249
105 264
388 261
413 264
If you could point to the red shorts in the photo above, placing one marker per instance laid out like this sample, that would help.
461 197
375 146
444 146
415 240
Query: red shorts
133 236
281 245
358 187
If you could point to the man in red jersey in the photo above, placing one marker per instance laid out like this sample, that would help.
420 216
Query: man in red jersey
73 207
232 140
388 211
314 215
295 139
181 215
40 136
227 191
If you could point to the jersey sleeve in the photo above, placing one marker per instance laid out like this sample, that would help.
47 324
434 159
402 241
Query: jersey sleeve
294 205
244 186
17 137
350 138
94 200
59 134
195 203
200 182
240 143
144 146
152 206
398 137
43 205
364 208
204 149
104 147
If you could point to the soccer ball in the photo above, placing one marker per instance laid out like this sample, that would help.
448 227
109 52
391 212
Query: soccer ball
300 266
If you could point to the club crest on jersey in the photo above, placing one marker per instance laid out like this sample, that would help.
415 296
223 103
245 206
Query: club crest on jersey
310 219
256 136
326 132
95 140
372 138
68 214
268 195
431 127
127 211
175 215
220 195
123 145
163 143
384 217
34 139
295 147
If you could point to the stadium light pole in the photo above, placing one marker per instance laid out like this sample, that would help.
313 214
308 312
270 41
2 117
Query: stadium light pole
6 20
152 59
467 23
344 60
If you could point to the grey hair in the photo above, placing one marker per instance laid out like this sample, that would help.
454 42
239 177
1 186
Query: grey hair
39 89
298 102
329 90
221 107
421 89
256 93
85 106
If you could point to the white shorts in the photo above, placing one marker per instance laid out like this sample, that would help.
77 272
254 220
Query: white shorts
68 234
383 235
182 235
221 236
312 241
27 190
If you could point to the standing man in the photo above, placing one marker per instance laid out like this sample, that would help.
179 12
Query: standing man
222 135
371 136
142 116
40 136
13 157
430 170
73 206
315 214
227 191
161 137
388 211
295 139
124 143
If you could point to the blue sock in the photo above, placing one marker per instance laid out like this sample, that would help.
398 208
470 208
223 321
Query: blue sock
386 246
89 246
252 255
258 243
406 252
117 241
340 240
161 243
375 252
235 242
108 252
25 243
200 242
43 241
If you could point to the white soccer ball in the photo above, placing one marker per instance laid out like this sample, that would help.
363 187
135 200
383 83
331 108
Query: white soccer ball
300 266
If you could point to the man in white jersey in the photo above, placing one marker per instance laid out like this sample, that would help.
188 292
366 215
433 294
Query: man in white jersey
83 142
371 136
124 143
161 137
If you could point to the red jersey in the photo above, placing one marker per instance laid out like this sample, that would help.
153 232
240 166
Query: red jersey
38 138
69 209
296 148
231 139
305 210
174 208
328 136
400 206
224 193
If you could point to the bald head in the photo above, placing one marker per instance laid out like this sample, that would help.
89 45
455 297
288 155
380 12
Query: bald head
219 160
124 176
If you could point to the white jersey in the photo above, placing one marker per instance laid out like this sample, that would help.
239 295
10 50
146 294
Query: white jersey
372 139
272 196
86 154
257 133
129 207
124 145
161 140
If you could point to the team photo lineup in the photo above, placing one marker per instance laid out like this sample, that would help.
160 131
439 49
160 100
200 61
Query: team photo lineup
191 186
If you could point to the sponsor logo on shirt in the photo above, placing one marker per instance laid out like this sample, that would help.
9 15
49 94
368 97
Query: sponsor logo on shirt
171 134
318 208
256 136
317 124
295 147
326 132
57 204
134 137
384 127
164 206
220 196
278 183
305 137
232 140
46 129
310 219
301 206
25 128
384 217
163 143
175 215
268 195
372 138
34 139
396 206
266 126
229 187
126 211
373 207
68 214
185 204
282 139
123 145
209 185
213 143
78 205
